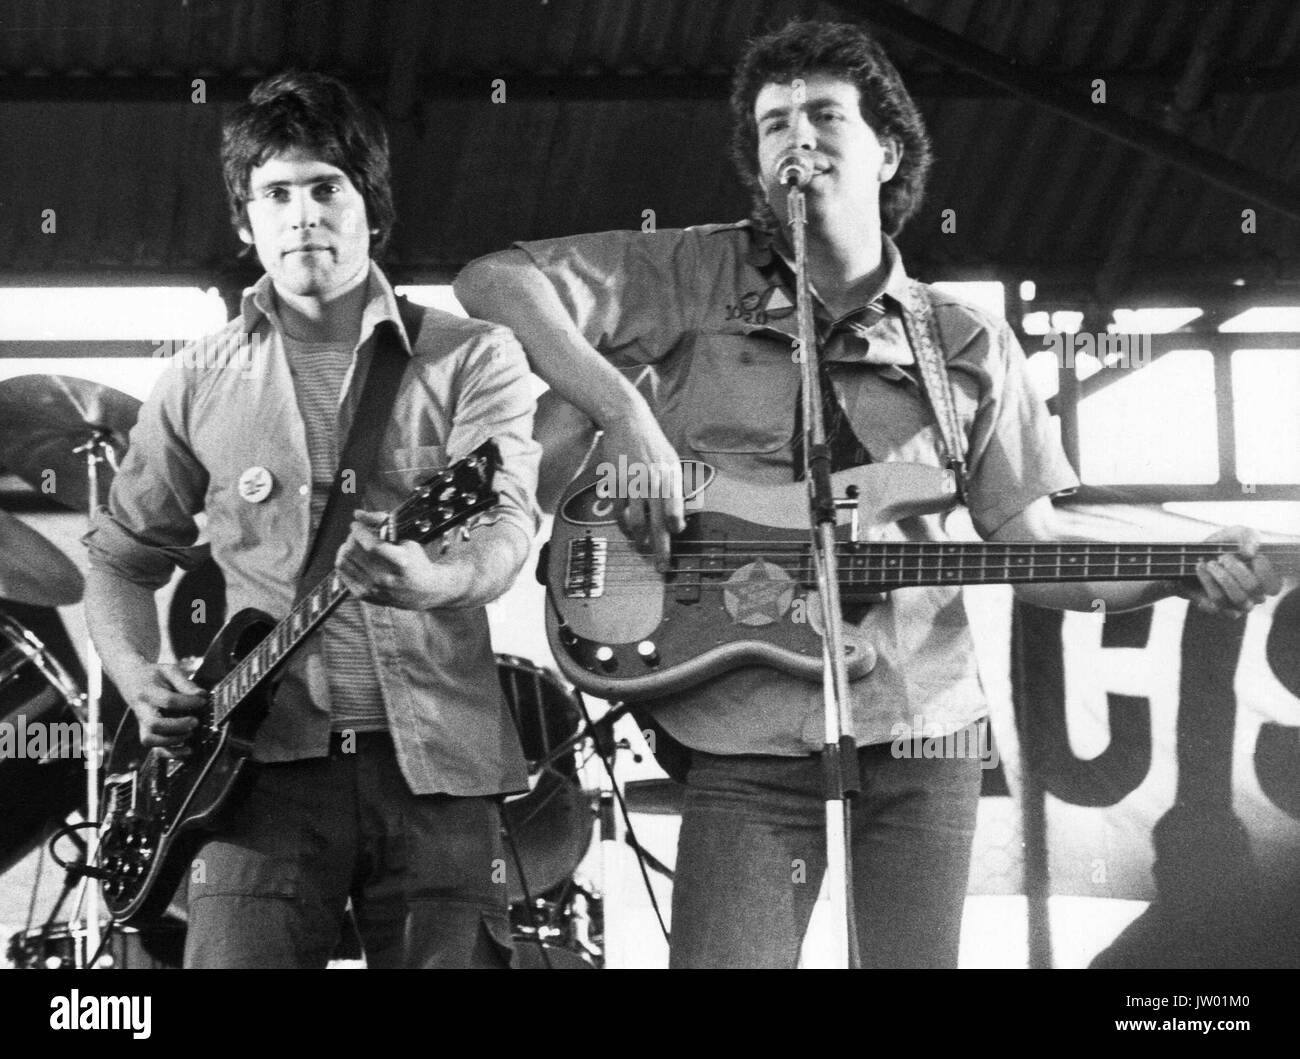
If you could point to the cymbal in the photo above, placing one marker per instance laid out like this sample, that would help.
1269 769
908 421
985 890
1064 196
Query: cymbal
47 418
32 570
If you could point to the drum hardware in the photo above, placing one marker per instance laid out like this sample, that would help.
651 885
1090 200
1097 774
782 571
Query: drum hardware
37 695
611 794
557 921
49 419
525 684
562 933
98 451
58 945
548 829
55 426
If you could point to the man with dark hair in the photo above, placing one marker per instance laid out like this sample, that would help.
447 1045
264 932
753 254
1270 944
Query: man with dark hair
296 110
883 99
388 741
712 308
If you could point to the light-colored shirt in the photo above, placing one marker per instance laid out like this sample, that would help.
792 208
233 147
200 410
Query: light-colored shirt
318 370
712 308
227 405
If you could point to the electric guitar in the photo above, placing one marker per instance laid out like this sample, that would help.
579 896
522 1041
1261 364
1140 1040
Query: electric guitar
156 807
741 588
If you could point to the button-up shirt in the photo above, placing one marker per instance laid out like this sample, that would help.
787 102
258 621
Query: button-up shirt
226 406
712 308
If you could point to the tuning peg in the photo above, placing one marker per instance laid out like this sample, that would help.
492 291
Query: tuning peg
464 533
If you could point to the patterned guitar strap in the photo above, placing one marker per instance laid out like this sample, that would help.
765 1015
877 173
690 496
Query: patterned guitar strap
927 347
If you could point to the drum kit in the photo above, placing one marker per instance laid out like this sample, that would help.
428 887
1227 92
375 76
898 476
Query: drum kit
64 438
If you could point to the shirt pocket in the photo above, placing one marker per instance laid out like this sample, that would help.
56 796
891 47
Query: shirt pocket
741 393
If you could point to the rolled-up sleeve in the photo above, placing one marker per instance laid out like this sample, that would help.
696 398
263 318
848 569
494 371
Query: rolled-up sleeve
1016 455
148 527
494 400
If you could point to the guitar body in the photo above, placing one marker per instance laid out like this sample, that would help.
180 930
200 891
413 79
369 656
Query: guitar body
620 630
158 809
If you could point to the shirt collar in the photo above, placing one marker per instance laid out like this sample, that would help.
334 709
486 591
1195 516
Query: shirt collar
258 305
766 245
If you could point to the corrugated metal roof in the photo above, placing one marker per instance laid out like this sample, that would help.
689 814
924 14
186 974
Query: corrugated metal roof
97 124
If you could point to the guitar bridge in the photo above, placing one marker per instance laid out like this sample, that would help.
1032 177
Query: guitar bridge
120 794
584 576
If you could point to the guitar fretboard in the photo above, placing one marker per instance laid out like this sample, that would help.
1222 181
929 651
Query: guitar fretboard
883 566
901 565
264 659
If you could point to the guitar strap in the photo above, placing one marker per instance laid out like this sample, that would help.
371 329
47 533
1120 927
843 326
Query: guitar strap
387 364
927 347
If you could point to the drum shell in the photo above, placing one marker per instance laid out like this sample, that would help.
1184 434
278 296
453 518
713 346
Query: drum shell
549 829
547 713
36 691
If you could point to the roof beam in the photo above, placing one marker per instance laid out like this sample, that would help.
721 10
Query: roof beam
145 88
1050 92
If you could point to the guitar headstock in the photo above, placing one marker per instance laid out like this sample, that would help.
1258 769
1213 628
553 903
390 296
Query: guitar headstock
452 497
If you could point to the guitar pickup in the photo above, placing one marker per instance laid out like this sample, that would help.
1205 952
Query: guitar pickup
700 564
584 573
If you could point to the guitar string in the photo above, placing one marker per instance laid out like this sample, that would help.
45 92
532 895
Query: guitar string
919 562
883 584
729 543
967 561
894 553
987 566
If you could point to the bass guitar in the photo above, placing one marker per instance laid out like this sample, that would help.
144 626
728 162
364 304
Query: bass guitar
741 589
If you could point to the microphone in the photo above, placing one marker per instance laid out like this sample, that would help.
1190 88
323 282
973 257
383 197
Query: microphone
795 168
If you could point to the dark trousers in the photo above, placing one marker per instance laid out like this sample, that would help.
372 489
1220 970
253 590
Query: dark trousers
752 854
426 873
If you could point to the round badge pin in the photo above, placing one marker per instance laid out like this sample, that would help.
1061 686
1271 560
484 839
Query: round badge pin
255 484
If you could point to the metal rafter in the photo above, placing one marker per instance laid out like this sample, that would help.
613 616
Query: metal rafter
1048 91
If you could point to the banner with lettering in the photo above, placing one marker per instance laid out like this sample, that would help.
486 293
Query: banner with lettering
1166 743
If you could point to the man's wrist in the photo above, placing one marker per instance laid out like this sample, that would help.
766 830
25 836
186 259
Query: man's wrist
131 674
618 401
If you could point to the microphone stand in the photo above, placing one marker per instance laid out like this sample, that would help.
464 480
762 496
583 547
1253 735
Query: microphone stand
839 755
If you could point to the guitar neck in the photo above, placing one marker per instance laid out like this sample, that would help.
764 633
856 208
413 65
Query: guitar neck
889 565
882 566
272 652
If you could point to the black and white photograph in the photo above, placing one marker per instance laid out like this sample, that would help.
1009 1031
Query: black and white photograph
648 484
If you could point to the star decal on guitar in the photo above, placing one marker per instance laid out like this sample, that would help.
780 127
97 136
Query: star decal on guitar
759 593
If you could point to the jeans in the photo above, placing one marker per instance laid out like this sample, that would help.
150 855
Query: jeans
426 873
752 854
